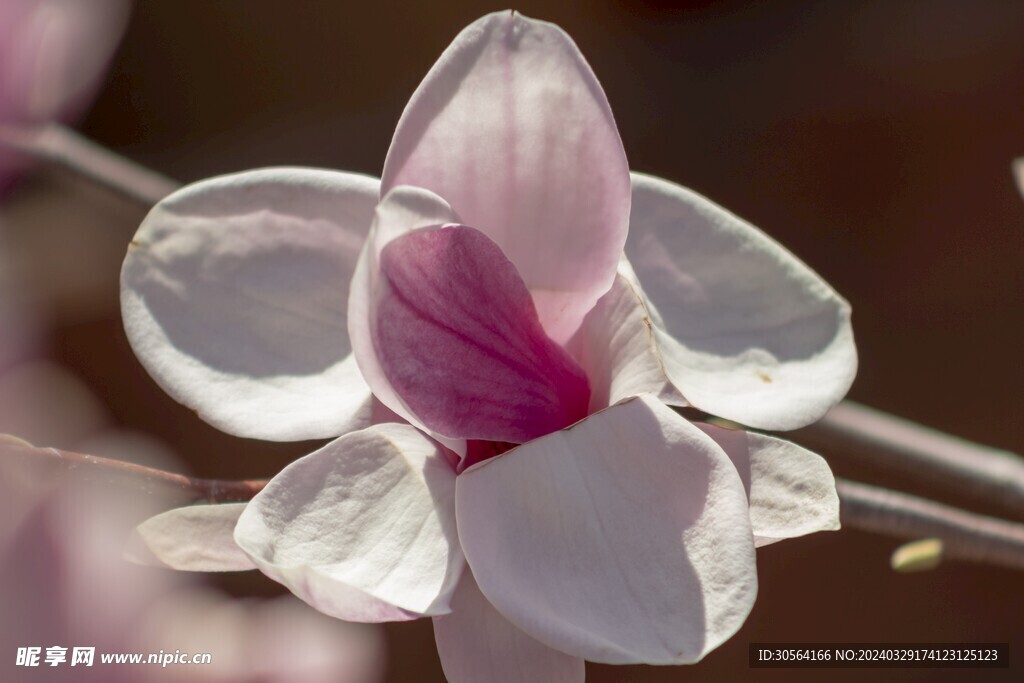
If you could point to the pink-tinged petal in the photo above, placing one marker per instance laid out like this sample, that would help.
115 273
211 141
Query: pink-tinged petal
791 490
458 339
234 295
511 127
616 347
403 210
745 330
1018 173
363 529
476 643
624 539
198 538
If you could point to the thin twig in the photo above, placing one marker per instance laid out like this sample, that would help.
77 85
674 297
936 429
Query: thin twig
964 535
65 147
956 465
173 490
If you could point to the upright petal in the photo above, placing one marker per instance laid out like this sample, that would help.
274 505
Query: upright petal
791 490
234 295
745 330
476 643
617 349
458 338
363 529
624 539
511 127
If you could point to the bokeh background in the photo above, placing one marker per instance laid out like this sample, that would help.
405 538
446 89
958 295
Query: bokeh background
874 139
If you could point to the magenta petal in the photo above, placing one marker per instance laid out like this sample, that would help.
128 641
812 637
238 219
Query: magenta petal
459 340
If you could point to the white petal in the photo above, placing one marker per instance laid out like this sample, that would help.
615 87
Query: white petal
234 295
622 539
512 128
198 538
476 644
746 331
363 529
617 349
791 490
403 210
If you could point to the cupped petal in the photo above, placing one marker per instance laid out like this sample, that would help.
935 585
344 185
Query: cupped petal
745 330
234 295
402 211
511 127
476 643
624 539
362 529
616 347
791 490
459 340
198 538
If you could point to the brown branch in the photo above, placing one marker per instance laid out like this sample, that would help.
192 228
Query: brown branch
964 535
896 445
174 490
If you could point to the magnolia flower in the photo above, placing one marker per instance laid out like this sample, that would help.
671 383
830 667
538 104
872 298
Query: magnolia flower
496 329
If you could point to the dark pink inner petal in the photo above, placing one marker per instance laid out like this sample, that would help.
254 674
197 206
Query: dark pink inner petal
458 337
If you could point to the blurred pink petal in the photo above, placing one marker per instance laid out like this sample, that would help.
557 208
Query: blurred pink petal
52 55
260 641
64 580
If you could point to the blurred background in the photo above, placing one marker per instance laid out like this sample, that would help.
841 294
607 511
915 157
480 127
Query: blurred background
873 139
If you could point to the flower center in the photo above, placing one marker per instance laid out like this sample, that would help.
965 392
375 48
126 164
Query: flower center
459 339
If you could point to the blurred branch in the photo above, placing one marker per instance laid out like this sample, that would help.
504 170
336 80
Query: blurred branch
945 461
173 490
63 146
964 535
